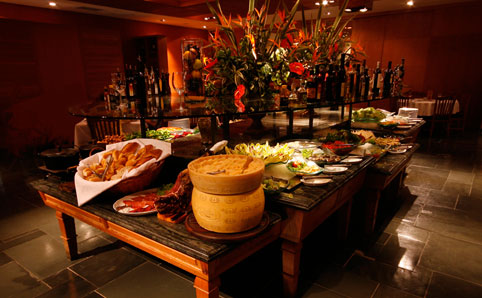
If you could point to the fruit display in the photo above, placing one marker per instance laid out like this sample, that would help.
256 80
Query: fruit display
192 66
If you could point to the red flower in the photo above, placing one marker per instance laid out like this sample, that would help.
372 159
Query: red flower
211 63
239 92
297 68
237 98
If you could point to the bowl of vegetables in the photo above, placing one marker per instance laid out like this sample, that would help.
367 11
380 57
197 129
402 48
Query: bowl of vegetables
272 185
339 148
303 167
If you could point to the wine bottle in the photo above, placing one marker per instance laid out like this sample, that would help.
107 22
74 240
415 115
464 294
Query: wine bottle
375 88
387 81
402 69
358 78
365 85
329 84
320 83
350 94
340 80
311 89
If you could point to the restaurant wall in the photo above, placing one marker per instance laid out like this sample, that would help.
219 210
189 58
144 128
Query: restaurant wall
441 46
51 60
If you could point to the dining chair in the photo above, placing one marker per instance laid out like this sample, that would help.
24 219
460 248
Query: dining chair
458 121
442 112
100 127
403 102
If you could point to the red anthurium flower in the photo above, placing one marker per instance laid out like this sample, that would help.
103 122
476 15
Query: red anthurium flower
239 92
297 68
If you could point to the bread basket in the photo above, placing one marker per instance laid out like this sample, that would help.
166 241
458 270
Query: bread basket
139 182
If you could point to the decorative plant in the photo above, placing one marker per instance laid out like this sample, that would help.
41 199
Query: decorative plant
249 67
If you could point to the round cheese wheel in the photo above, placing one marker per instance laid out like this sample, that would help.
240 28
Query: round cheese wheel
228 213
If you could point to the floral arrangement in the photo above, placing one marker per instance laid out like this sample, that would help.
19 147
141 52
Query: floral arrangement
248 68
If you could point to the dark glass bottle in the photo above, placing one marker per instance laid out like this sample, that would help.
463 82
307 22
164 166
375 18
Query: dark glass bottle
387 81
329 83
365 85
340 80
375 88
358 77
320 84
311 89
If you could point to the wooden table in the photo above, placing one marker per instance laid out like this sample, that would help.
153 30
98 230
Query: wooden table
390 169
169 242
307 208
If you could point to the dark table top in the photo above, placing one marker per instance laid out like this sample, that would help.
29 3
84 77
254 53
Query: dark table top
169 234
307 197
390 163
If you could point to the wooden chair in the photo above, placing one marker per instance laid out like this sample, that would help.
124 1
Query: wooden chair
100 127
403 102
458 121
442 112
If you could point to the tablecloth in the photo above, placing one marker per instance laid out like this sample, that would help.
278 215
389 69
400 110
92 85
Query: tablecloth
82 134
426 106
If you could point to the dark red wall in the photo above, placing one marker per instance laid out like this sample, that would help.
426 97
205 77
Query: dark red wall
51 60
441 46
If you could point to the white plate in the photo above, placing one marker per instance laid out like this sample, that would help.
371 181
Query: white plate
351 160
316 181
397 151
127 210
334 170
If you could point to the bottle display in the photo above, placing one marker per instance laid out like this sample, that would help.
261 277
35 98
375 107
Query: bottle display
387 81
376 79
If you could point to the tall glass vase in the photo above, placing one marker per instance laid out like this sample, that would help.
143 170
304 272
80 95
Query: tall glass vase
192 67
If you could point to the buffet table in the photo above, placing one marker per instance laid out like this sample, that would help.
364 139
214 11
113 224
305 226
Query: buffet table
307 207
389 169
82 135
169 242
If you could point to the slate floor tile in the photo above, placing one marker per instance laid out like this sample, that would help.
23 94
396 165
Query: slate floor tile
148 280
21 239
345 282
49 257
461 177
453 223
441 198
469 205
456 188
443 286
315 291
16 282
402 252
427 178
4 259
67 284
406 230
458 258
83 230
107 265
409 211
414 282
384 291
24 222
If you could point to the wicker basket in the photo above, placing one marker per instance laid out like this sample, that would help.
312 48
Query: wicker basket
139 182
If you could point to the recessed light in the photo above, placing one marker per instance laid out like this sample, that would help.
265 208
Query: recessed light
410 3
328 13
204 26
364 9
347 9
332 1
325 2
163 20
53 4
317 3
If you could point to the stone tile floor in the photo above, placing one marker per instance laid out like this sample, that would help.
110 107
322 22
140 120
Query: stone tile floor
430 245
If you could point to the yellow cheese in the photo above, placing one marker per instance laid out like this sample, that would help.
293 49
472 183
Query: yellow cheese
228 213
226 174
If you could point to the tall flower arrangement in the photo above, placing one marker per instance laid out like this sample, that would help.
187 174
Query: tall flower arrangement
248 60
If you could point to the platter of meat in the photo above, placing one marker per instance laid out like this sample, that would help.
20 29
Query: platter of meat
139 203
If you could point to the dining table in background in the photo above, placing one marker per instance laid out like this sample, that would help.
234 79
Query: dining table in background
426 106
82 135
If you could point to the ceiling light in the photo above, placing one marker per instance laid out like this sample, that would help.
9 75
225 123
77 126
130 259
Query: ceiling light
364 9
53 4
325 2
328 13
332 1
204 26
410 3
163 20
317 3
348 9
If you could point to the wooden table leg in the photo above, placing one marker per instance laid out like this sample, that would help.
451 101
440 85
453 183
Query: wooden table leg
372 197
67 233
206 288
291 266
344 214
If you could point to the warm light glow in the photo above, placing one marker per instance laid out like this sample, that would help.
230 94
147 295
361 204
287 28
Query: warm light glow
328 13
163 20
53 4
332 1
348 9
410 3
325 2
317 3
364 9
204 26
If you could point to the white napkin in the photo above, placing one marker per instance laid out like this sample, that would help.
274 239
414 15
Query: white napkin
87 190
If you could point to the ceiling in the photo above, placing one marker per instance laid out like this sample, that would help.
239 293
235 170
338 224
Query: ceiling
192 13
